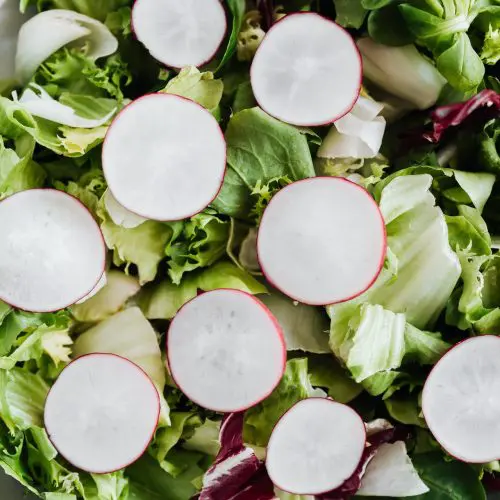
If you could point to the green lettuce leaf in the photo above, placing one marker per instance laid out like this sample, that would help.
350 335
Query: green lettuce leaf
70 70
163 300
261 419
373 343
143 246
199 87
304 327
202 241
260 148
18 171
16 123
421 269
97 9
126 334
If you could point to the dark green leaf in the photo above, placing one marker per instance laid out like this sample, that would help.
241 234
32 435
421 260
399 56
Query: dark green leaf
387 26
237 8
260 148
350 13
460 64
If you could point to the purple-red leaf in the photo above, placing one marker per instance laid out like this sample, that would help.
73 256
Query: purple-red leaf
351 485
237 474
482 107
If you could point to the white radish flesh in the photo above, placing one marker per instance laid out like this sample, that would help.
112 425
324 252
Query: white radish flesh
315 447
460 400
180 33
322 240
225 350
307 70
52 253
101 413
164 157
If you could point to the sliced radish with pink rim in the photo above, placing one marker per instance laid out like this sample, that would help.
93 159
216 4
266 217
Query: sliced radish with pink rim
101 413
226 350
307 70
164 157
180 33
315 447
52 253
461 403
322 240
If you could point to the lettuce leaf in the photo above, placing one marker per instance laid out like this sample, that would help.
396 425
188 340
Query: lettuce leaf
261 419
163 300
260 148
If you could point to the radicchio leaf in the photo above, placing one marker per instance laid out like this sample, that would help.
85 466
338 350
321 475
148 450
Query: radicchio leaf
482 107
378 433
237 473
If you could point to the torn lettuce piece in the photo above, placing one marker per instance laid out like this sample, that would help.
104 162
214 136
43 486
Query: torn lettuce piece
127 334
36 101
16 122
373 343
18 171
200 242
202 88
305 327
71 71
153 237
163 300
259 149
112 297
422 269
294 386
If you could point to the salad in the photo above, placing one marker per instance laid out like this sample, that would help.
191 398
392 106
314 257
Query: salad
249 250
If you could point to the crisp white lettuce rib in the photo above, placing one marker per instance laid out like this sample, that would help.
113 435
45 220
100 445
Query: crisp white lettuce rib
49 31
358 134
39 103
391 473
401 71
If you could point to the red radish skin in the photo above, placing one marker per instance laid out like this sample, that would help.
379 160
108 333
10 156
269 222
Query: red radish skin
361 451
144 214
202 63
103 263
425 402
351 297
278 330
349 105
154 428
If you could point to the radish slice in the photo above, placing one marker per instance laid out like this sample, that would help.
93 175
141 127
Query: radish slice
164 157
52 253
101 413
307 70
460 400
315 447
322 240
178 34
226 350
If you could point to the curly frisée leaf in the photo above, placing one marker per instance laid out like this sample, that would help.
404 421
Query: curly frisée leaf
49 31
